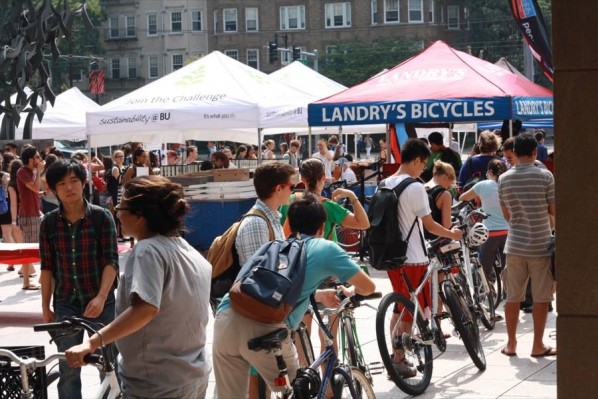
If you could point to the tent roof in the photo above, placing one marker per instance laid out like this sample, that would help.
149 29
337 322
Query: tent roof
65 120
304 78
503 63
202 100
438 84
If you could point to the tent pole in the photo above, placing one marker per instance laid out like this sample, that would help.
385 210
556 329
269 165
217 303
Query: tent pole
259 145
89 171
309 141
510 127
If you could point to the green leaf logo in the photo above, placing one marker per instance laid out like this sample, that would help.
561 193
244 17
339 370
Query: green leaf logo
192 77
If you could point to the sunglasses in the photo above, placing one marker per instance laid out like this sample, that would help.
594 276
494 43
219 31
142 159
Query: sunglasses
121 209
291 186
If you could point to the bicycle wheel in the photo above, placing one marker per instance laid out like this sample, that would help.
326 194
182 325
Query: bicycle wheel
497 283
347 238
465 323
361 384
484 298
396 313
306 355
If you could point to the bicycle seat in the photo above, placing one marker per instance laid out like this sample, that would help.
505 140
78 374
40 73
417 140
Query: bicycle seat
269 341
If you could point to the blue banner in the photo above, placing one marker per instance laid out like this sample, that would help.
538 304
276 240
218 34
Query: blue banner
454 110
532 108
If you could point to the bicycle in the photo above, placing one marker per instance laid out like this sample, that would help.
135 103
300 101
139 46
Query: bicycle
308 383
404 328
482 295
350 346
109 388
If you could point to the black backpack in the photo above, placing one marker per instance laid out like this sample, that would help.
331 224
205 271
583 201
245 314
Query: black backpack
384 238
269 284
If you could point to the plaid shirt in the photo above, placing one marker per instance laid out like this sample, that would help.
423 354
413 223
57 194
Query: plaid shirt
253 232
76 255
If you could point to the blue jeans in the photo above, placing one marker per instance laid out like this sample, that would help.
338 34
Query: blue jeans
69 385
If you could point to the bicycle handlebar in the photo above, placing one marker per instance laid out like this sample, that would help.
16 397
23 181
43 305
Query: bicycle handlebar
32 363
55 326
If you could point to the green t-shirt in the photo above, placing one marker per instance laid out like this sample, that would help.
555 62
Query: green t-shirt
335 215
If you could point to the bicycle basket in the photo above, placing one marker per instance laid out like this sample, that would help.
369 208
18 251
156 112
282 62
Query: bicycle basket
10 374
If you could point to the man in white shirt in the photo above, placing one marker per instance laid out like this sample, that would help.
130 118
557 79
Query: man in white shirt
414 208
326 156
347 173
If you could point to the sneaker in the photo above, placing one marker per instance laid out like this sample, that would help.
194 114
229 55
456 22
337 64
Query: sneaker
405 369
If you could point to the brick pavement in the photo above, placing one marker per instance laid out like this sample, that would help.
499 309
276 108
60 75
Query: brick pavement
454 374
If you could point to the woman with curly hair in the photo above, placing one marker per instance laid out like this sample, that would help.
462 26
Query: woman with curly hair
162 301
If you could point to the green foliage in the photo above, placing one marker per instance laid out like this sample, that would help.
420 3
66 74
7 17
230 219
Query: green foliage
353 62
83 44
494 34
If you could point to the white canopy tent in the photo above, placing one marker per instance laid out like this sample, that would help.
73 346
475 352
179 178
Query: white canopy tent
65 120
213 98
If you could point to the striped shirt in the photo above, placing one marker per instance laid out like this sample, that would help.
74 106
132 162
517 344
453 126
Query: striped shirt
527 191
253 232
76 254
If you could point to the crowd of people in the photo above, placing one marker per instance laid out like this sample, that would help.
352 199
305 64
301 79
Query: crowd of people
159 314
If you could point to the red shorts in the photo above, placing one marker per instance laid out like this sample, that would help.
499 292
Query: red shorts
415 274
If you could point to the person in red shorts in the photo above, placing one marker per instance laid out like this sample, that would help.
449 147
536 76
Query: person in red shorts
414 205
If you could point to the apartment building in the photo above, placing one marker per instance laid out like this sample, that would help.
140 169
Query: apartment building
243 29
147 39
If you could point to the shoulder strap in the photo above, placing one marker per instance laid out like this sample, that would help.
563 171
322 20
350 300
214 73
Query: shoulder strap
435 192
399 190
261 214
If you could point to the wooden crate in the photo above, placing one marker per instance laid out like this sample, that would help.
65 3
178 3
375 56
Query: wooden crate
238 174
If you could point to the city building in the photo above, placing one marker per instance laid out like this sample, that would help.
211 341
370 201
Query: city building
145 40
148 39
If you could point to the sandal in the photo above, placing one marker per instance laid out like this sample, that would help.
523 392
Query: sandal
30 287
10 269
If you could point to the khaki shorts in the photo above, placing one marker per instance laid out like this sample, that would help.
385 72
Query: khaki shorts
520 269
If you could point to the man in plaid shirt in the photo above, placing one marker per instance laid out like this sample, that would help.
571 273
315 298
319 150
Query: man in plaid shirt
80 262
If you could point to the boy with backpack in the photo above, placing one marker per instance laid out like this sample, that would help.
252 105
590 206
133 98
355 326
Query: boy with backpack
414 215
323 259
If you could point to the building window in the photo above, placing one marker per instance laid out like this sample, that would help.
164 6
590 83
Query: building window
176 22
431 7
152 61
416 11
230 19
130 27
215 21
251 20
338 15
453 17
331 49
442 19
115 68
374 11
152 25
253 58
177 61
234 54
113 25
132 67
196 24
292 17
391 11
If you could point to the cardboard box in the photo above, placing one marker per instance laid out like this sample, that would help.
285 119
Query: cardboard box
238 174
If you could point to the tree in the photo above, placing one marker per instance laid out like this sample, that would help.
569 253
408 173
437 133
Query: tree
494 34
354 62
29 30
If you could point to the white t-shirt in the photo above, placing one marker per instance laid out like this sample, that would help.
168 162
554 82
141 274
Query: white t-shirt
327 162
413 203
349 176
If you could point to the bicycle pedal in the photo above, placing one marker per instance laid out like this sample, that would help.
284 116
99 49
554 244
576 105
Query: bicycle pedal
376 368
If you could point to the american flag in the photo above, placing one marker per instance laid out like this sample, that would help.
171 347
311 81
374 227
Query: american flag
96 81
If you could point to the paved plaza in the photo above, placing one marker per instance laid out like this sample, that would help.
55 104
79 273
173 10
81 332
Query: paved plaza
455 376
